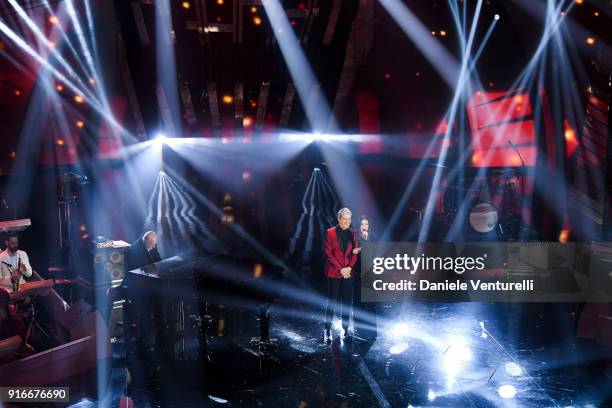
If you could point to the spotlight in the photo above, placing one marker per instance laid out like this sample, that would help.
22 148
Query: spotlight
507 391
257 20
590 40
186 5
461 352
53 20
399 330
78 99
160 138
431 395
59 87
513 369
496 17
337 324
313 137
399 348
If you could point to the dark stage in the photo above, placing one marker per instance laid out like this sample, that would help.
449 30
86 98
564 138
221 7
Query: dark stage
425 354
305 203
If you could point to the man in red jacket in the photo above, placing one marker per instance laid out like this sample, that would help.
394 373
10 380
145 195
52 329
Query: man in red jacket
341 248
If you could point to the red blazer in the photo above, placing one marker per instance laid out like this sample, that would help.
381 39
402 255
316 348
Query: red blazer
337 260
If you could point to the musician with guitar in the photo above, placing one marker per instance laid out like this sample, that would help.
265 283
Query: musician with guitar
14 264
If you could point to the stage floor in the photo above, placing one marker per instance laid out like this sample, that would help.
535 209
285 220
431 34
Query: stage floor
439 355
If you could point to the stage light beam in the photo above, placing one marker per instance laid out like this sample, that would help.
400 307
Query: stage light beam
319 114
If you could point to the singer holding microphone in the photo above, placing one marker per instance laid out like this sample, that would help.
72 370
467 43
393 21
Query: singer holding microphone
14 264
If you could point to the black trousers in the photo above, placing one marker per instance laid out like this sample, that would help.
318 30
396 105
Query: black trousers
340 298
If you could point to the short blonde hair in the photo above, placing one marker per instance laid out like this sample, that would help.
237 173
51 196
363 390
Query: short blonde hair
344 211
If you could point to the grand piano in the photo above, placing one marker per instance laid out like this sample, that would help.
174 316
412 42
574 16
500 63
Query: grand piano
168 304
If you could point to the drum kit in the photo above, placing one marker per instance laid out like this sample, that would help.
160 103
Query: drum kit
494 198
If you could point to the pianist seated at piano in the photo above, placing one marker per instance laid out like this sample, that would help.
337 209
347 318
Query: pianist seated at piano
14 264
10 325
143 251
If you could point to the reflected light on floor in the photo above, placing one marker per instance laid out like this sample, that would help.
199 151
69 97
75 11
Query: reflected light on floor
507 391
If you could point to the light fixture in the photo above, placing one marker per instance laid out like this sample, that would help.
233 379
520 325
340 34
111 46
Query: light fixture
431 395
78 99
496 17
399 330
507 391
399 348
513 369
186 5
160 138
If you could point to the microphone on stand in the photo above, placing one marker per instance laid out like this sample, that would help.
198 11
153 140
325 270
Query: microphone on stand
522 171
513 146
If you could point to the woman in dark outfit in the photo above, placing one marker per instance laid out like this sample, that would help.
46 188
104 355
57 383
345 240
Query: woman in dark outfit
364 314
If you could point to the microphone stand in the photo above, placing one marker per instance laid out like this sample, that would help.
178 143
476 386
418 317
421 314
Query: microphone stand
521 174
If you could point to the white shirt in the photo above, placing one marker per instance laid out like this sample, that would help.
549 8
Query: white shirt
8 264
